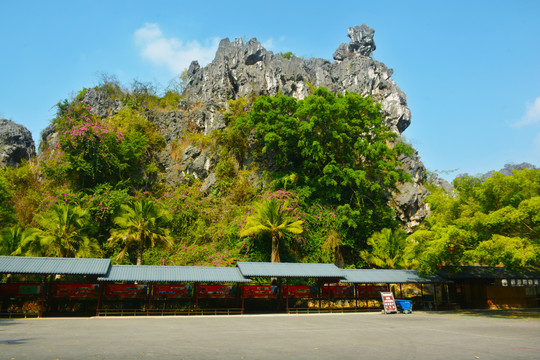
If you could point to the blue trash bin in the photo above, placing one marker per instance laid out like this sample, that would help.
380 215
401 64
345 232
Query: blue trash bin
404 306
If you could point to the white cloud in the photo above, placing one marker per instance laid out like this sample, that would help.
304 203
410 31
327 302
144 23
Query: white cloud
532 116
268 44
172 53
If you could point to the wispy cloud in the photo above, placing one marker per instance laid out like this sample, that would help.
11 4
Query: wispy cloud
172 53
532 115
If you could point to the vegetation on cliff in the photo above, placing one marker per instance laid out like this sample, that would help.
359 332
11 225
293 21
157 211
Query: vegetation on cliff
327 164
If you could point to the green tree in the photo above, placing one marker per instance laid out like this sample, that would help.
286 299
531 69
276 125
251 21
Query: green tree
63 231
492 222
141 225
11 239
387 250
330 149
6 208
271 218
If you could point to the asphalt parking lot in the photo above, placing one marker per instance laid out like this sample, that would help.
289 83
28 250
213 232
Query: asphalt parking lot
421 335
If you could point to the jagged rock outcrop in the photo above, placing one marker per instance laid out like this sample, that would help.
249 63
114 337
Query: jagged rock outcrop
409 200
507 170
102 103
16 143
441 183
240 69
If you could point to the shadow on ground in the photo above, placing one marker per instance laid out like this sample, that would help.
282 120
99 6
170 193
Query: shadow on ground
499 313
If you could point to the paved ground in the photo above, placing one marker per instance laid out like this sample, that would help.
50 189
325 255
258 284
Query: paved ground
421 335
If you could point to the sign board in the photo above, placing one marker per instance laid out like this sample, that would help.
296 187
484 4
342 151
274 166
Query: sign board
19 290
370 291
125 291
338 291
216 291
76 290
388 302
171 291
302 291
259 291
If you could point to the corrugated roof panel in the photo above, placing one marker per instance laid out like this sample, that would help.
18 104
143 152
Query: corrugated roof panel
290 270
388 276
48 265
149 273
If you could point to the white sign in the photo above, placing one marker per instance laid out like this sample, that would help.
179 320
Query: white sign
388 302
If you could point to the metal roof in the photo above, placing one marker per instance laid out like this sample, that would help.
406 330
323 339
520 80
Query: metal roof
151 273
289 270
56 266
388 276
485 272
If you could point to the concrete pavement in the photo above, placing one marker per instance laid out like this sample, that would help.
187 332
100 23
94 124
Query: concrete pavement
421 335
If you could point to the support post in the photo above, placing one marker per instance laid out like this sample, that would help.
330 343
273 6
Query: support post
100 296
287 293
319 293
150 293
242 297
355 297
196 294
435 295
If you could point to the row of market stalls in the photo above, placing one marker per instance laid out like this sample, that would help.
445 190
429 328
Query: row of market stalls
34 286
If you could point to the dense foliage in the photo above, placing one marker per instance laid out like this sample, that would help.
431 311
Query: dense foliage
331 150
491 222
297 180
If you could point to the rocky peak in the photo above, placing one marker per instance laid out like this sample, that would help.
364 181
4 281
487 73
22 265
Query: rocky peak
16 143
240 69
362 43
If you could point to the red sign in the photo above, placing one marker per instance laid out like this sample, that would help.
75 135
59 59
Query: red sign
370 291
19 290
171 291
389 302
216 291
338 291
76 290
301 291
259 291
125 290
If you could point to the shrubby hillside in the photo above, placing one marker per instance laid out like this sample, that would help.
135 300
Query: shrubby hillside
258 156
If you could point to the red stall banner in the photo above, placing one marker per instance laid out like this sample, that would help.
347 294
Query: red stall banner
259 291
302 291
338 291
171 291
388 302
216 291
76 290
125 291
20 290
370 291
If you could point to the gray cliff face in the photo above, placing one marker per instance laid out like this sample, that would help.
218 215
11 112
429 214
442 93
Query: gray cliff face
409 202
16 143
240 69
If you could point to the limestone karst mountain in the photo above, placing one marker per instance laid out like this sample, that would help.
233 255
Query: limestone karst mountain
16 143
240 69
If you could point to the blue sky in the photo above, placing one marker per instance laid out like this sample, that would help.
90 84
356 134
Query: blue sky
470 69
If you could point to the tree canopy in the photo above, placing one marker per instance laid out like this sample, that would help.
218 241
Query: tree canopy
492 222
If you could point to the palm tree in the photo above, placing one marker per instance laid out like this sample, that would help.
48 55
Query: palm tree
387 250
141 224
332 248
273 219
11 239
63 232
